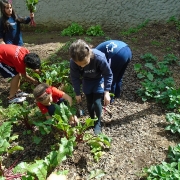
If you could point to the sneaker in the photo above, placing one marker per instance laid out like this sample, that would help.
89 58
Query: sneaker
97 129
17 100
20 94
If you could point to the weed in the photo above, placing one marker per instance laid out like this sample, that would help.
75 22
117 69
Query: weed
135 29
175 21
156 43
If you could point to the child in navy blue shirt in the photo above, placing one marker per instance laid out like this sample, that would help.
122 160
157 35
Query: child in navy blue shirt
118 55
90 65
10 32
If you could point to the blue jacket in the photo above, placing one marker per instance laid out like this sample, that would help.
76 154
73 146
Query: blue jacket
97 69
111 47
13 35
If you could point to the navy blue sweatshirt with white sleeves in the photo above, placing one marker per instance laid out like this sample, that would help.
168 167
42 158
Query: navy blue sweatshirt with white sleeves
97 69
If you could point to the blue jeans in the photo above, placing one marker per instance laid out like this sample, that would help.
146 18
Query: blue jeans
119 63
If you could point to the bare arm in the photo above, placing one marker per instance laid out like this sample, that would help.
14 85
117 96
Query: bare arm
2 41
67 98
30 79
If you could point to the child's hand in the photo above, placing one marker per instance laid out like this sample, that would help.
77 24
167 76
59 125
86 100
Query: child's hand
78 99
31 15
73 120
106 98
56 177
67 98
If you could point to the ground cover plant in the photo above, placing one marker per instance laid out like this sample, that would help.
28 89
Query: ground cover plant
143 129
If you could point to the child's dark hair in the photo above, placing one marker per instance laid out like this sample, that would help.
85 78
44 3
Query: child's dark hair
39 90
32 61
78 50
7 26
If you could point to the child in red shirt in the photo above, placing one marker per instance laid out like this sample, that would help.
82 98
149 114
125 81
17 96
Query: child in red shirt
13 63
46 95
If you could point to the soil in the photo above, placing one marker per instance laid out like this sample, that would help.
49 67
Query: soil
139 139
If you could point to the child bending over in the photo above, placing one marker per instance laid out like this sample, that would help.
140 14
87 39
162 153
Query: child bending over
46 96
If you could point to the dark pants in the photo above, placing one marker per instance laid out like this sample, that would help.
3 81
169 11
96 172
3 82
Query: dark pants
51 109
119 63
94 106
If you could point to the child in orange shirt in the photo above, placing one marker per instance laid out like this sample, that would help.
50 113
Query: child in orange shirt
46 95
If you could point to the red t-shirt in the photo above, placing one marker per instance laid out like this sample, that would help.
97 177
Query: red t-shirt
13 56
56 95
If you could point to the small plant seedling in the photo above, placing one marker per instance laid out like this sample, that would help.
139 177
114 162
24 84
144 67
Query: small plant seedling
156 43
134 29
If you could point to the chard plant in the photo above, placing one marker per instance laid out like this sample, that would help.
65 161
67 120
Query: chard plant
72 30
31 6
18 112
96 143
55 74
7 147
40 169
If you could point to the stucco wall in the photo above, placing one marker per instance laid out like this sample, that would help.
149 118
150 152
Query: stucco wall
107 13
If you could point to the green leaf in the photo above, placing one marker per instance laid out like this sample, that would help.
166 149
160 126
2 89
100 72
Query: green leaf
150 76
98 173
37 139
149 65
15 148
5 130
39 169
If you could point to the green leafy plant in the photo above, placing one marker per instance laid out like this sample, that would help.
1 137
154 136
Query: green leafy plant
98 173
31 6
18 112
95 31
164 171
174 153
7 147
72 30
41 168
97 144
174 120
156 80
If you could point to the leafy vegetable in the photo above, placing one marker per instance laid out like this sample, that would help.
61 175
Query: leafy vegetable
31 6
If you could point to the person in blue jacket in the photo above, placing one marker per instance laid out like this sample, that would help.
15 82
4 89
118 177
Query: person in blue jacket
90 67
118 55
10 32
